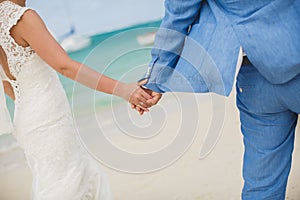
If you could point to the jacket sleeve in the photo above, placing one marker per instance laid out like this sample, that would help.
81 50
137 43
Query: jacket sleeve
169 39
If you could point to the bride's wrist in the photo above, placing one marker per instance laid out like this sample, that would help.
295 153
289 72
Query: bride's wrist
121 90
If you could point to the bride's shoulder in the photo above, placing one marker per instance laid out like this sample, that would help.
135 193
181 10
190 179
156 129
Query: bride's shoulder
31 21
30 15
20 23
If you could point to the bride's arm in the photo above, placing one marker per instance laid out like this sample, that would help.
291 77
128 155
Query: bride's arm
32 30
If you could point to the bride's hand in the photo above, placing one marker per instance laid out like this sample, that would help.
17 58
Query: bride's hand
135 95
155 97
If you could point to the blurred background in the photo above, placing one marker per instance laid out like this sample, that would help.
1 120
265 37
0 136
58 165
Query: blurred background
96 16
115 38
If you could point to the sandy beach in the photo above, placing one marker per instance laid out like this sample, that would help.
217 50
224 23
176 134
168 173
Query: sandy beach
216 177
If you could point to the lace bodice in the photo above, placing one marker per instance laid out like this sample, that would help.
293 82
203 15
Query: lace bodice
17 56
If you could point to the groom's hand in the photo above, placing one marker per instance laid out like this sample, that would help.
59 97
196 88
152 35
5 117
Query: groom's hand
155 97
153 101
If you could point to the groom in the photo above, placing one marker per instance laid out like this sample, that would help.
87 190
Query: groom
199 48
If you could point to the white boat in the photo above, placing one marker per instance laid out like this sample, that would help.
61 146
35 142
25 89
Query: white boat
146 39
75 43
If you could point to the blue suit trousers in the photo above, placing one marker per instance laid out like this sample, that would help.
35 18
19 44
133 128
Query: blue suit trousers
268 115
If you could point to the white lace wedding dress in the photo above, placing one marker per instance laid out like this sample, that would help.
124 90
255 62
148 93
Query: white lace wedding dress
43 124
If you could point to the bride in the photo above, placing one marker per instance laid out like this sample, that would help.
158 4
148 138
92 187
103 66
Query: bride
43 125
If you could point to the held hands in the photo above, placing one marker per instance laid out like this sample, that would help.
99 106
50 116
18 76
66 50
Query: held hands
135 95
153 100
140 98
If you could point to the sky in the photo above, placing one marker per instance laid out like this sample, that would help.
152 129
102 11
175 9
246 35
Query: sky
95 16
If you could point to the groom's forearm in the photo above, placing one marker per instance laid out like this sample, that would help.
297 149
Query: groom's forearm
170 39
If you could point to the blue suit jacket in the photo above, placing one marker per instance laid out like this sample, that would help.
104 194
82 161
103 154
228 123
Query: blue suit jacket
196 48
